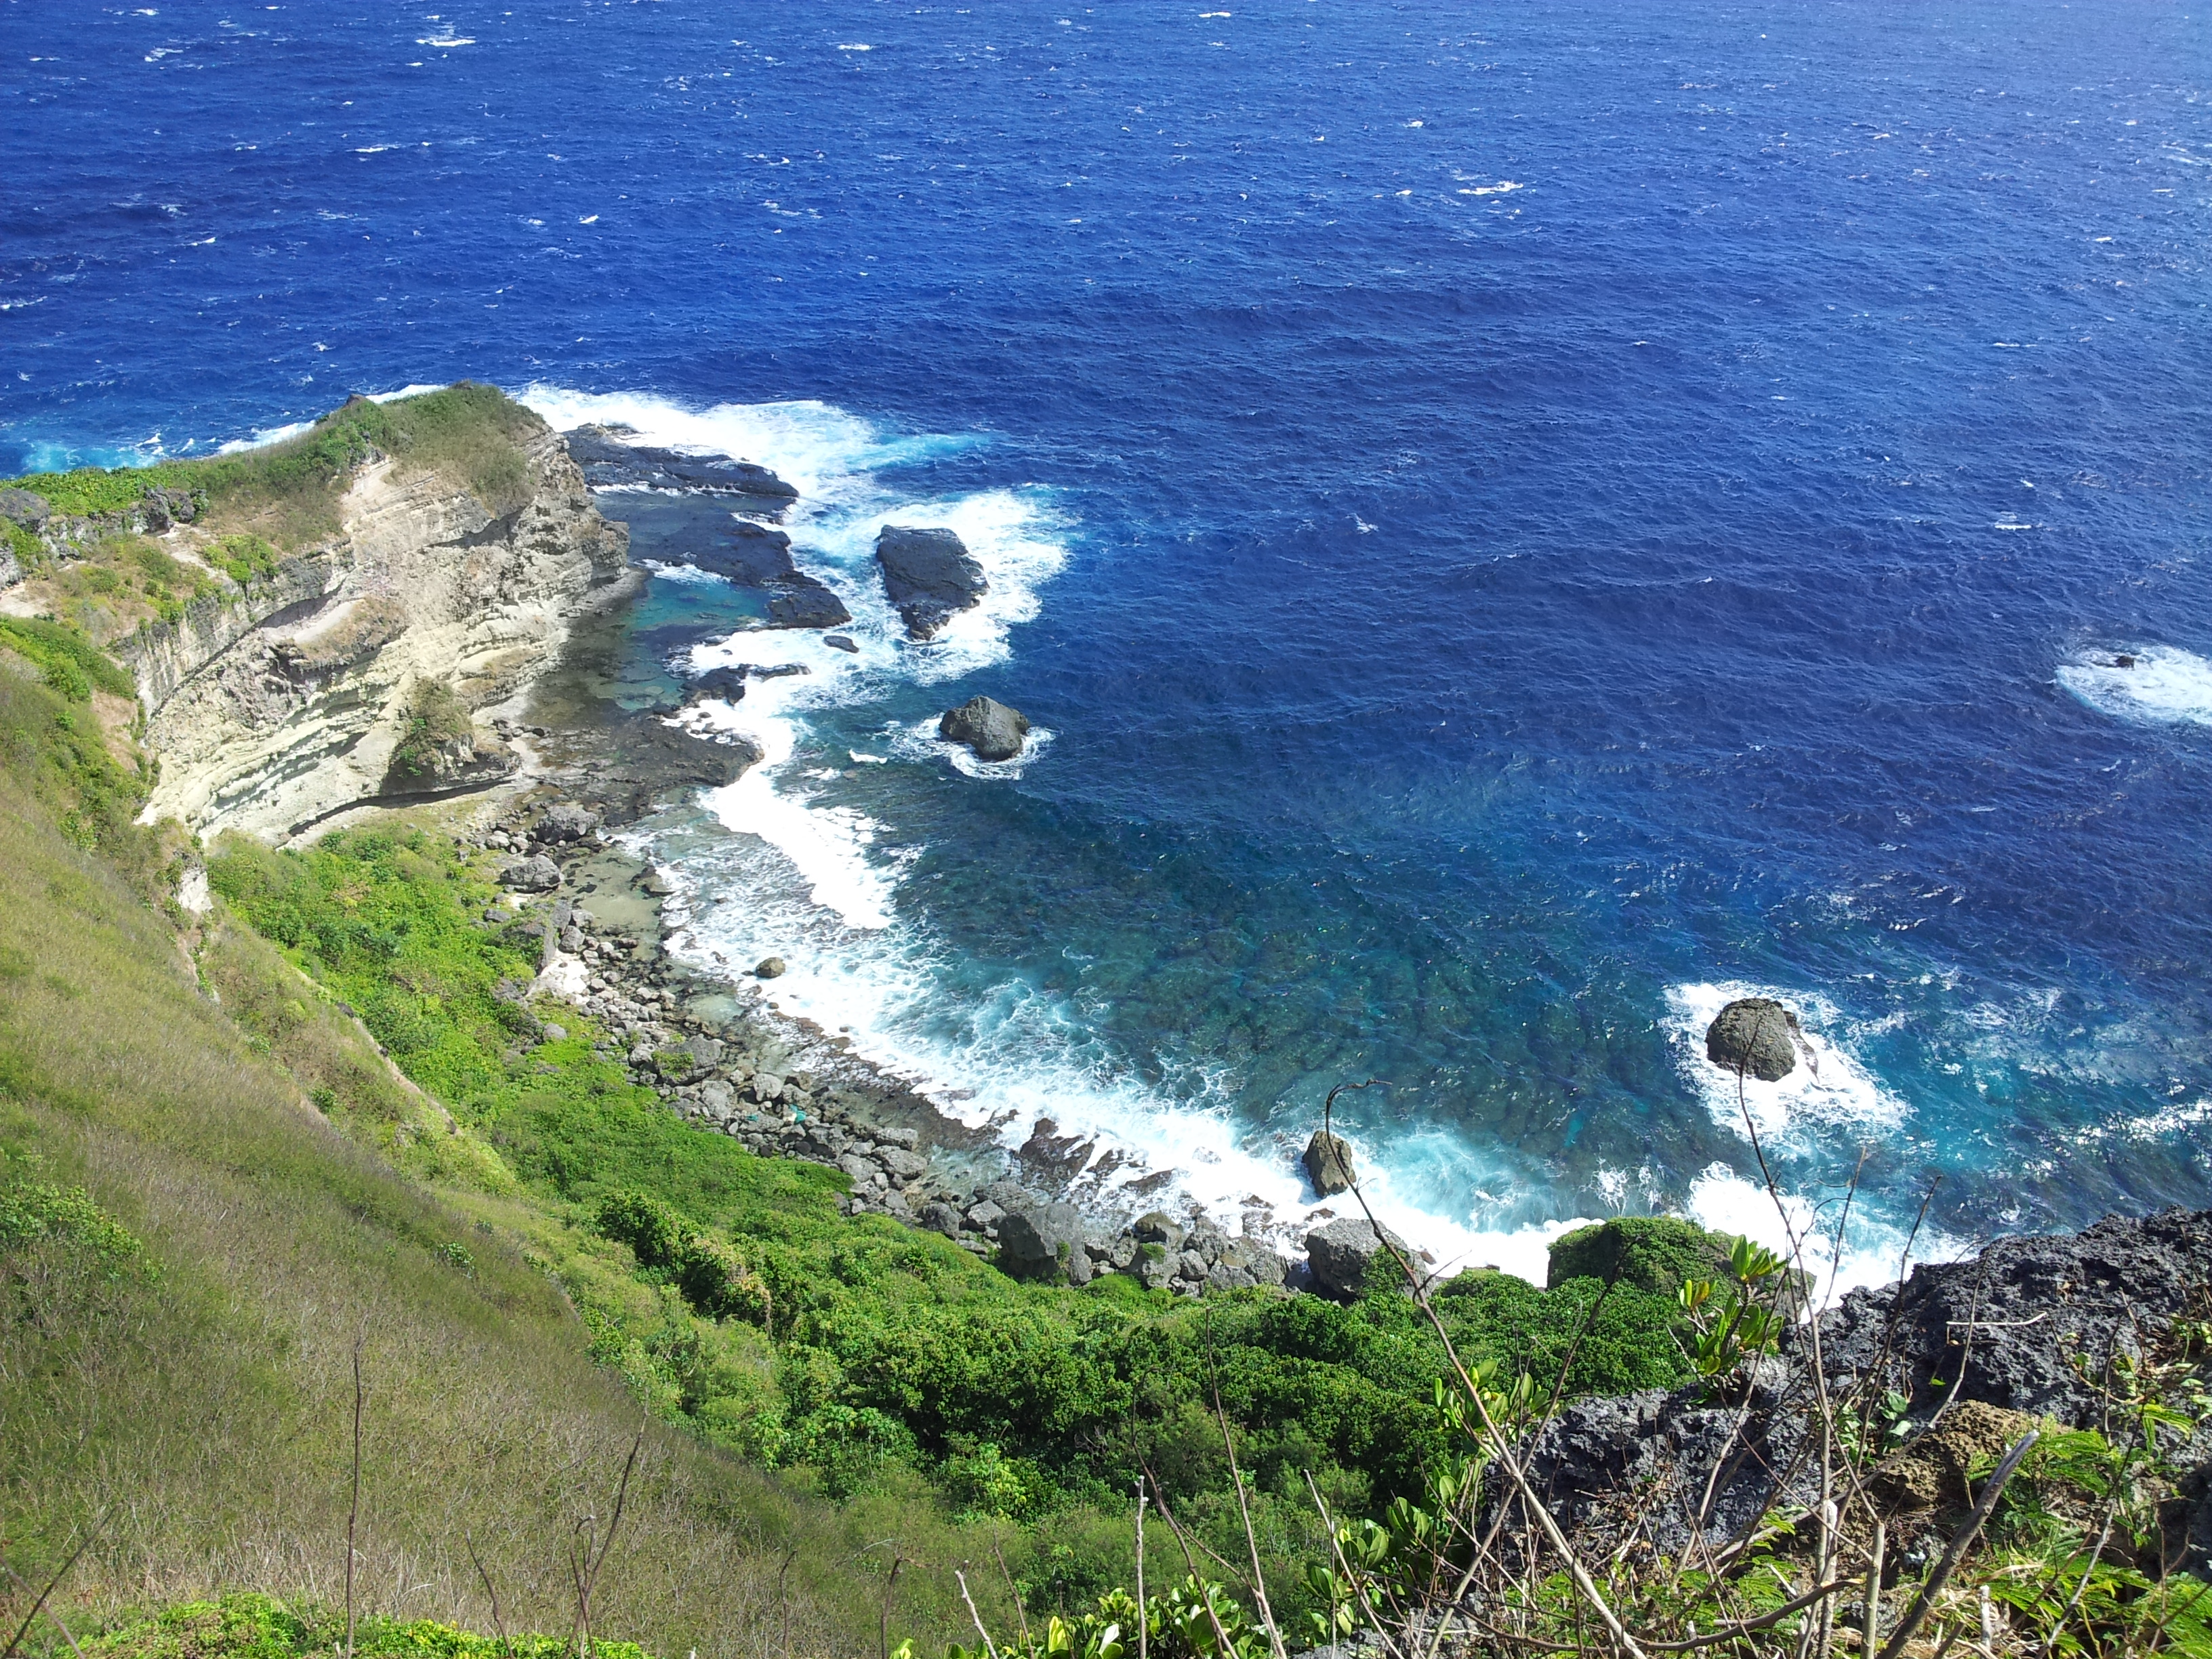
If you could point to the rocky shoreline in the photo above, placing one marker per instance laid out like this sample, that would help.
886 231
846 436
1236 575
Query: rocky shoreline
716 1054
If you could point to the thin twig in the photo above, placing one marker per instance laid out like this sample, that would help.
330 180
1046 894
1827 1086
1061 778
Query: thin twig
1143 1619
989 1647
353 1515
60 1573
1022 1617
1244 1511
1328 1525
1583 1583
2103 1537
1205 1600
498 1619
883 1628
1960 1543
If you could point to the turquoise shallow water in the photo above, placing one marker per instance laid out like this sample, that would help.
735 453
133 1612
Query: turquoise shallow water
1514 531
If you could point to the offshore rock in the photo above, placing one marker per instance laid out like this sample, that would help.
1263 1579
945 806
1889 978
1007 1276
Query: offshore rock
751 555
1328 1163
609 460
768 968
1755 1035
992 730
929 575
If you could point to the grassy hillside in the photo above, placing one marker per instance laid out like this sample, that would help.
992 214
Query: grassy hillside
249 510
189 1252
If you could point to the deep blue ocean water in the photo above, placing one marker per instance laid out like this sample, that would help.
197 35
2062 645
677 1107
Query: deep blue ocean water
1519 522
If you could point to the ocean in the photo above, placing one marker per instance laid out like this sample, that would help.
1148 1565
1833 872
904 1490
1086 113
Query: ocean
1514 526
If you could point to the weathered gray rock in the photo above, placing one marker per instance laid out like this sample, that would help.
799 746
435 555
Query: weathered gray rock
1159 1227
985 1215
928 575
768 968
1755 1035
938 1217
24 506
903 1165
1339 1254
1040 1243
609 461
566 822
705 1050
1328 1163
992 729
532 875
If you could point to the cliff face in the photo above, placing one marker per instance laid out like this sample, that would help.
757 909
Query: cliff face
273 711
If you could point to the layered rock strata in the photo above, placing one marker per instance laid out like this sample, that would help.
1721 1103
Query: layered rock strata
277 709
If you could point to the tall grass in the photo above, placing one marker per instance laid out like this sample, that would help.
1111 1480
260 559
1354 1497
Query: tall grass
201 1416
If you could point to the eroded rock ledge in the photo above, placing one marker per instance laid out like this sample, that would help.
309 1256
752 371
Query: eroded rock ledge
276 710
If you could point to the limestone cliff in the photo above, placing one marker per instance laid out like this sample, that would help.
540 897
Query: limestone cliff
272 710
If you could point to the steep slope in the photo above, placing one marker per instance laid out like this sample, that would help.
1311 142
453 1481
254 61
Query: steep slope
189 1397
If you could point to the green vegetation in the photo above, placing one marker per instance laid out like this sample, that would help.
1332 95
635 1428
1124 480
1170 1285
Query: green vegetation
283 494
436 720
734 1297
56 749
1653 1253
247 1626
69 663
190 1401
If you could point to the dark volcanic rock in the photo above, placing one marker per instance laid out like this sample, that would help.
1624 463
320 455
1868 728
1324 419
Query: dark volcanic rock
800 601
751 555
929 575
607 460
1757 1034
992 730
2032 1302
1328 1163
2034 1305
840 642
722 684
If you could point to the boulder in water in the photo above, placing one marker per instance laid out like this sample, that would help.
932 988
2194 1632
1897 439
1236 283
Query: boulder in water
1328 1163
1757 1035
992 730
768 968
929 575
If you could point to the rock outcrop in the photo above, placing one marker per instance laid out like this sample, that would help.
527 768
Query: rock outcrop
610 462
274 709
1756 1034
2024 1330
929 575
1339 1253
992 729
1328 1163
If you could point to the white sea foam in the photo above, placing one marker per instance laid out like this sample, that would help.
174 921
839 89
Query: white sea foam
1830 1089
919 742
2163 686
1869 1251
815 883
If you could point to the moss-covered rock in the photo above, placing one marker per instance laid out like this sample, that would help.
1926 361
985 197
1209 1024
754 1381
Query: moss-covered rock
1653 1253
